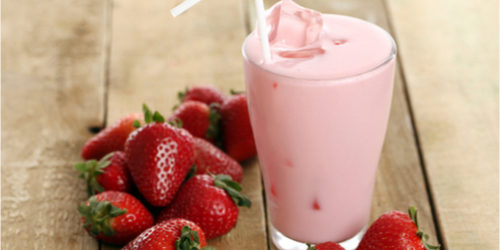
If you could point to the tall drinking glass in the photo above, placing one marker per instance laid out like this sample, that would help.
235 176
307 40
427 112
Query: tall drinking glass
319 134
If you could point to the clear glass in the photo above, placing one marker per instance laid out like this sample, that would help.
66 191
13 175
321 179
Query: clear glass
319 143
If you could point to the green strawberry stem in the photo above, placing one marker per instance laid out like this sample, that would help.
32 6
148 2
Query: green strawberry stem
424 237
191 173
214 117
189 240
234 92
97 216
176 123
232 188
89 171
182 94
150 116
310 246
137 124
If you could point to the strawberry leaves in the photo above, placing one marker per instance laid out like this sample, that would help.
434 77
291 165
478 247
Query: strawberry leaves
235 92
182 94
412 212
89 171
232 188
97 216
137 124
310 247
191 173
176 123
149 116
213 130
189 240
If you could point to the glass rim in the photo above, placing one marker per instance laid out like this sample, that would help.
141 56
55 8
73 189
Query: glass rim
389 58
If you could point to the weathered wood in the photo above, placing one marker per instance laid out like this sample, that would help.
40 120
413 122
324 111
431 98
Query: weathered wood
400 181
52 92
449 52
54 56
154 56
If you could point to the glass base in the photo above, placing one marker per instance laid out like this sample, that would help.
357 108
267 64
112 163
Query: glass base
284 243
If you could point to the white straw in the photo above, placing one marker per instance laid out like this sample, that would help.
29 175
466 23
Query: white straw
261 22
179 9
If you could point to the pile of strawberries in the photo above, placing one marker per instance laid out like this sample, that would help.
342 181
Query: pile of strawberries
172 183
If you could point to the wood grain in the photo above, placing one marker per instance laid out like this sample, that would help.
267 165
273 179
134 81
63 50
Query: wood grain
154 56
52 91
449 55
400 181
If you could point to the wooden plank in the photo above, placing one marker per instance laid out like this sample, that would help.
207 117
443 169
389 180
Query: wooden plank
154 56
400 181
449 50
52 92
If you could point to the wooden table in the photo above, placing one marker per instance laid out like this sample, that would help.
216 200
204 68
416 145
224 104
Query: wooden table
69 67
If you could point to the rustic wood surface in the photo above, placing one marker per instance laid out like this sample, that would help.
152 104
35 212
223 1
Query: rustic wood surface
53 55
449 52
68 66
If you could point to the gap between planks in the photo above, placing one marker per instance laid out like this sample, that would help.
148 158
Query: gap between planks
415 132
107 63
452 78
107 57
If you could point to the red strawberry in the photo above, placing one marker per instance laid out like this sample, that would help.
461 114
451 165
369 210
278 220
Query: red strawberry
209 202
159 157
110 173
395 230
236 129
170 235
198 118
115 217
205 94
325 246
210 159
111 138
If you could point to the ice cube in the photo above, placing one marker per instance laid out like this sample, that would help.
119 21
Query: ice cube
301 53
292 26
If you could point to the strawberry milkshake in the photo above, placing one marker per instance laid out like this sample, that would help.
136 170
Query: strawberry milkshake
319 112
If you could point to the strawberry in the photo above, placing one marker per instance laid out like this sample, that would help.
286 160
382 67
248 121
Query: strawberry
159 157
111 138
115 217
198 118
325 246
205 94
110 173
236 129
210 202
210 159
170 235
395 230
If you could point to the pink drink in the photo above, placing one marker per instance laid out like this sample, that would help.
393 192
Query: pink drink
319 112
